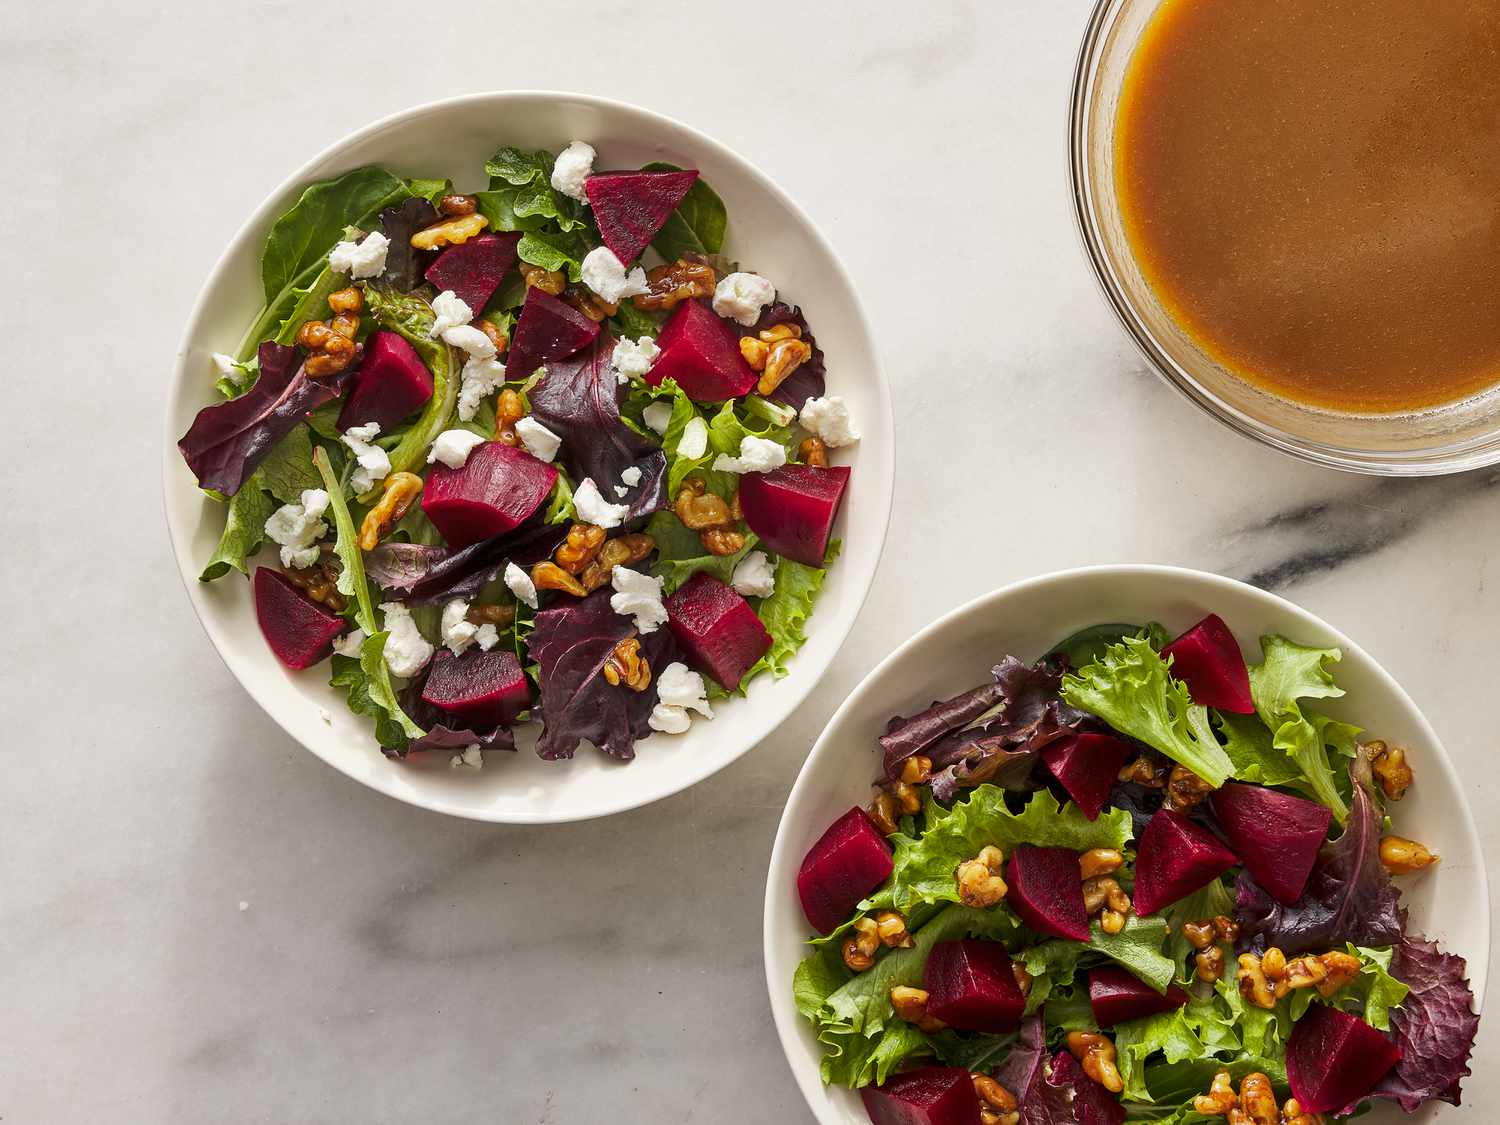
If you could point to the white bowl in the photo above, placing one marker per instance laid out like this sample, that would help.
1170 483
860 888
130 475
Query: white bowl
767 231
1449 903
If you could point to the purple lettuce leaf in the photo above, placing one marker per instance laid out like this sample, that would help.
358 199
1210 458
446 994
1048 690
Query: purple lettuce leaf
809 380
908 735
579 400
1349 896
229 439
1087 1102
570 642
404 264
1434 1026
443 733
1055 1091
427 575
1002 753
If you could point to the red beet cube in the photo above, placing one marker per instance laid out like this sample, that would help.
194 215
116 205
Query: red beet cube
716 629
849 861
972 986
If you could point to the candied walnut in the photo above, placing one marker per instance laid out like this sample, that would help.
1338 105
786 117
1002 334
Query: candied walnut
320 581
1291 1114
1200 935
589 303
351 299
449 232
620 551
1340 969
812 451
1209 964
1220 1098
492 333
1185 789
860 947
1099 861
1257 1100
721 542
1097 1054
997 1105
1253 985
916 769
906 795
313 335
675 282
784 357
497 615
979 882
884 813
627 666
550 576
1401 856
699 509
338 352
1391 769
454 206
911 1005
580 547
509 409
1143 771
890 926
398 492
548 281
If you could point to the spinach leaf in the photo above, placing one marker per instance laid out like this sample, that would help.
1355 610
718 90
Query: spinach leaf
288 469
698 224
522 183
562 251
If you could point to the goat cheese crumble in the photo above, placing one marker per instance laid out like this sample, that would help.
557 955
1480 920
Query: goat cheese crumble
741 296
471 758
451 310
298 527
350 643
593 508
469 339
520 584
571 170
406 650
757 455
694 440
755 576
452 448
637 596
373 463
362 259
230 369
539 441
679 690
658 416
605 275
634 358
459 633
482 377
828 418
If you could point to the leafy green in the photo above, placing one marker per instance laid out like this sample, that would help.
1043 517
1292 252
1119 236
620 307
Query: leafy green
562 251
351 581
1138 947
698 224
305 233
1199 1029
521 198
560 504
1130 689
367 686
978 1054
923 866
1375 992
412 318
288 469
632 322
680 553
232 386
785 612
1247 742
1287 673
244 529
430 190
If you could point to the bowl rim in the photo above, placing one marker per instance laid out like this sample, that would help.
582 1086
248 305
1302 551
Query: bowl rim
789 1024
793 690
1476 452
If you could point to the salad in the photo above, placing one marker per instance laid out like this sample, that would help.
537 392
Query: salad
1132 880
537 451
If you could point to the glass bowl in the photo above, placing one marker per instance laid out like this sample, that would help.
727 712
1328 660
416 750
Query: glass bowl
1450 438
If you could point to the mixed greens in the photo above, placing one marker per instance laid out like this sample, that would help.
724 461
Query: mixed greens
1135 879
537 450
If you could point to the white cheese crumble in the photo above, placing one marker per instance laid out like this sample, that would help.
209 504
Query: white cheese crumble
482 377
468 338
349 644
362 259
406 650
298 527
741 296
679 690
459 632
593 508
637 596
605 275
452 448
757 455
828 418
229 368
658 416
572 168
374 464
755 576
539 441
693 443
634 358
452 311
472 758
520 584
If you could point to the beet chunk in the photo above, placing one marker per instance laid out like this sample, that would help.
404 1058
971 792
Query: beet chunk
630 208
701 351
929 1095
498 489
474 269
971 986
299 630
482 689
548 329
392 381
1207 659
1277 835
792 508
1046 891
1175 857
716 629
849 861
1333 1059
1087 766
1117 995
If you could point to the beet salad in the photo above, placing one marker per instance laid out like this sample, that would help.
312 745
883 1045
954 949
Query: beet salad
537 452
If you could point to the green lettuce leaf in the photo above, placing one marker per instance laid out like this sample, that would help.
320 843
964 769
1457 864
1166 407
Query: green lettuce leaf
352 582
785 612
1131 690
366 683
1287 673
560 503
288 469
632 322
1200 1029
923 866
698 224
1138 947
680 553
562 251
1247 742
244 529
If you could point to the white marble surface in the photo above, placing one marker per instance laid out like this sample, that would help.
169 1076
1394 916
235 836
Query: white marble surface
200 920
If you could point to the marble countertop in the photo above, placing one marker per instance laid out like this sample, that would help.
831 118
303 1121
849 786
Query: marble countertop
204 922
